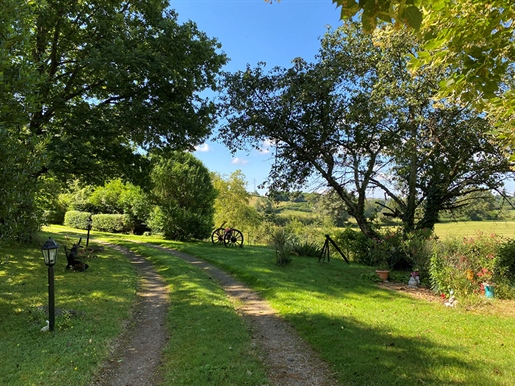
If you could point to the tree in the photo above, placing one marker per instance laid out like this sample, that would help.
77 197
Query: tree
358 120
21 152
329 204
473 40
114 77
483 206
232 204
184 195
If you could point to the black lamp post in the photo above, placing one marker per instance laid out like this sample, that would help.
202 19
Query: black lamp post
89 221
49 251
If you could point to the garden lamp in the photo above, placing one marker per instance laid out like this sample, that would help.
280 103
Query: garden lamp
49 250
89 222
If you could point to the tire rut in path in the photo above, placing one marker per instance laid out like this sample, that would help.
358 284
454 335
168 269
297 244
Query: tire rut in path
137 354
289 361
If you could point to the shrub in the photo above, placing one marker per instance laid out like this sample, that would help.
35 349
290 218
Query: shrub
76 219
391 249
306 248
183 190
507 260
464 264
418 248
355 246
283 246
114 223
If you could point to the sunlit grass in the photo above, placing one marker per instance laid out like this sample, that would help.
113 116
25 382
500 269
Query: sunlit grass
90 308
369 335
470 228
209 343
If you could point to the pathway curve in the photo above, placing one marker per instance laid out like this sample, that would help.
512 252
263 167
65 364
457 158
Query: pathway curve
289 360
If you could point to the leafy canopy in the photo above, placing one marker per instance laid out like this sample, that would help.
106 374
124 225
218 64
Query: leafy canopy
472 40
357 120
114 77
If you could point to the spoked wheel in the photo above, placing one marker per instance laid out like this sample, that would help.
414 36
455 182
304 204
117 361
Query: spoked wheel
233 238
217 237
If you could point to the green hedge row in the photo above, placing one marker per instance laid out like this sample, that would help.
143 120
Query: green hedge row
114 223
76 219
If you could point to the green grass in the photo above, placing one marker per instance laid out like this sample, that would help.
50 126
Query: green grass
102 298
469 228
368 335
375 336
209 343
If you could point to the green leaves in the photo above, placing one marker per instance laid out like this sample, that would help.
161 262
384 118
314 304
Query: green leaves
376 11
412 17
184 195
473 41
113 78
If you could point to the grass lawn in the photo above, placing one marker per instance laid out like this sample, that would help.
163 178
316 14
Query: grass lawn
96 302
369 335
469 228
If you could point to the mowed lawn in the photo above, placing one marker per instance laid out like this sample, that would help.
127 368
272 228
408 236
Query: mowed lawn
470 228
368 334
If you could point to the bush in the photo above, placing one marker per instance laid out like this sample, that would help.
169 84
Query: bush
184 193
53 216
114 223
464 264
355 245
306 248
391 249
76 219
283 246
507 260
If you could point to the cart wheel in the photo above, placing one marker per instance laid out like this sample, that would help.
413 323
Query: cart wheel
217 237
233 238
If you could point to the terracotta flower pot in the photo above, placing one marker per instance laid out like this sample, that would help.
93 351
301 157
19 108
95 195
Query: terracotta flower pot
383 274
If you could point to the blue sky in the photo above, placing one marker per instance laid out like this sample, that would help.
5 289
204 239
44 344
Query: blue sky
253 31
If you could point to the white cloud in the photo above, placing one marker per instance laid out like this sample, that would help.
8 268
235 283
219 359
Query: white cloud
204 148
265 146
239 161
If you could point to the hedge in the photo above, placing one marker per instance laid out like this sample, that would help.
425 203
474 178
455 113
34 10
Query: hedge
76 219
113 223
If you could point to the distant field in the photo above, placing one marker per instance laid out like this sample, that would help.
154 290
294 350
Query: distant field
469 228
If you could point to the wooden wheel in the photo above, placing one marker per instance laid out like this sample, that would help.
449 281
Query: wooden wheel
217 237
233 238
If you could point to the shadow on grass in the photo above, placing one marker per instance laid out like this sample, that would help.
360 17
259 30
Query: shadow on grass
381 338
369 335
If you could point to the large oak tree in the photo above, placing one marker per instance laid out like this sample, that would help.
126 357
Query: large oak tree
116 77
93 85
357 119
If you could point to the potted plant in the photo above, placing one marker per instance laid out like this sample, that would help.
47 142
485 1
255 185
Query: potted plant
384 269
